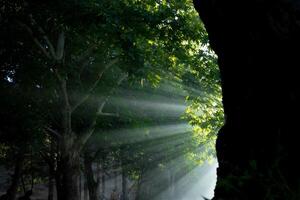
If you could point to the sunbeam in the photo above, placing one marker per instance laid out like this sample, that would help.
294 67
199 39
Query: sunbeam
154 107
107 100
135 135
197 184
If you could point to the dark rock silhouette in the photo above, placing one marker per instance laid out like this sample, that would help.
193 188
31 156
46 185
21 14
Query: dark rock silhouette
257 42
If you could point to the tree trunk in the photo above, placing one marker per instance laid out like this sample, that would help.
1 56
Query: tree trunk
70 150
13 189
86 191
70 176
116 179
171 184
51 185
140 189
69 170
58 184
51 165
103 184
124 185
91 183
80 187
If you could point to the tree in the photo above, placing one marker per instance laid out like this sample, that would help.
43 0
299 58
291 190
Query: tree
76 56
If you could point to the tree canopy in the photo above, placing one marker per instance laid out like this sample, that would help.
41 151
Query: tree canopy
129 86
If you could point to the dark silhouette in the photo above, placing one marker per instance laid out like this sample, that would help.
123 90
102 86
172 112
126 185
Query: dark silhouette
26 196
7 195
4 197
257 43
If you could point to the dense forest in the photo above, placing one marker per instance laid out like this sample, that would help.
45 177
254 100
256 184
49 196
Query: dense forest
110 99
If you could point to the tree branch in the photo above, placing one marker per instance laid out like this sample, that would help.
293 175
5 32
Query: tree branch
54 132
67 108
60 46
50 53
94 85
86 53
83 60
85 136
45 37
35 40
109 114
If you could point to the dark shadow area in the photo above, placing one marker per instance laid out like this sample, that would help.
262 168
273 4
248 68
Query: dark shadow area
257 43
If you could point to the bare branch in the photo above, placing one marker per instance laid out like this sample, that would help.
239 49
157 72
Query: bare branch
109 114
49 52
65 92
95 84
83 60
101 106
35 40
54 132
60 46
86 53
58 76
85 136
45 37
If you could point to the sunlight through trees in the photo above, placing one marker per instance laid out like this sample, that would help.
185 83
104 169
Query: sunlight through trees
107 100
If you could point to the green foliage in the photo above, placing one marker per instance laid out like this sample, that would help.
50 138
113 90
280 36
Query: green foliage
157 49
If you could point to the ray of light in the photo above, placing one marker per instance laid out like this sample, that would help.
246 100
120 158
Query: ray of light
154 107
197 184
135 135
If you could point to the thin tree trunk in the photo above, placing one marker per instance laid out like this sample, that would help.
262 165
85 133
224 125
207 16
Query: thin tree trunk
116 180
124 185
103 186
51 185
98 179
91 183
59 189
12 191
171 184
80 187
138 195
51 163
86 191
